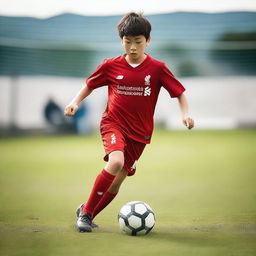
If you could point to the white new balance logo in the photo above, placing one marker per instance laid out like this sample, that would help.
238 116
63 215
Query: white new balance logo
120 77
147 91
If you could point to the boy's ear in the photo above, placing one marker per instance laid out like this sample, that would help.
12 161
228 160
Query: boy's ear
148 41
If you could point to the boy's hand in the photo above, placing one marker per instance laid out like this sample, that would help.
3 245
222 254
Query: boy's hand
70 109
188 122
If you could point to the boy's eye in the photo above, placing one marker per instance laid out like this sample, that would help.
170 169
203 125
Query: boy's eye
138 42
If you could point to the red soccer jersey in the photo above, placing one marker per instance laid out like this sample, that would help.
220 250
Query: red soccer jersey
133 93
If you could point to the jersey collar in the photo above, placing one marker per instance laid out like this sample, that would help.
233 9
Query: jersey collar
142 64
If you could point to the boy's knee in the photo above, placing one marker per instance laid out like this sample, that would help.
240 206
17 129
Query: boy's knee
116 164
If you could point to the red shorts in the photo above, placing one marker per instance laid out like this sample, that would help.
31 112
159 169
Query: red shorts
114 140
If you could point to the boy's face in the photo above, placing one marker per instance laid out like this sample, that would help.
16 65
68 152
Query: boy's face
134 47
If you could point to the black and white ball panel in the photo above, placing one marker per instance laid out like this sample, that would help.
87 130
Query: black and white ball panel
136 218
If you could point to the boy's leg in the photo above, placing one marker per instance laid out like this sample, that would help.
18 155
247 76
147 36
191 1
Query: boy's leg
133 151
111 192
101 185
114 145
104 180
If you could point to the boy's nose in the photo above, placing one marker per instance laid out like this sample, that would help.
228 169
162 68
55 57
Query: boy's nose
133 47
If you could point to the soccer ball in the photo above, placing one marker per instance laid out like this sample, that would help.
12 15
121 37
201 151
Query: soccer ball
136 218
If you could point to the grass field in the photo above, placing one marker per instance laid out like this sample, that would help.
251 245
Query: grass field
201 185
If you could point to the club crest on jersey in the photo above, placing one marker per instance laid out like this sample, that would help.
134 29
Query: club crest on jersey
147 79
113 139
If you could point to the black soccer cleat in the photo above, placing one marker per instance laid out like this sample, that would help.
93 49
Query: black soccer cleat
84 222
79 210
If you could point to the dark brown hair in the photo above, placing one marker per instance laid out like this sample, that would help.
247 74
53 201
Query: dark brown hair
134 24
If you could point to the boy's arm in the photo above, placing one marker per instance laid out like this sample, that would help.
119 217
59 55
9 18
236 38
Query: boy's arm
187 121
72 107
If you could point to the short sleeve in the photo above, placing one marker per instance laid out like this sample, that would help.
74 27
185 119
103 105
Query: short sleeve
99 77
170 83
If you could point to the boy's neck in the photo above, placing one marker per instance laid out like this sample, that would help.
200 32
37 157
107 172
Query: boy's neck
137 61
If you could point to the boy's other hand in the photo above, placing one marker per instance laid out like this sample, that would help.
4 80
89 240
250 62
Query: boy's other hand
70 109
188 122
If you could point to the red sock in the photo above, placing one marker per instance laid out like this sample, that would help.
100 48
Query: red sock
105 200
101 185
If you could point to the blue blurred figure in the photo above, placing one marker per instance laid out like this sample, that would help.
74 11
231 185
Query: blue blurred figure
54 116
81 121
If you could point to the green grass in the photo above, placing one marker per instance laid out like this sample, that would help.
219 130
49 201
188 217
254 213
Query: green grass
201 185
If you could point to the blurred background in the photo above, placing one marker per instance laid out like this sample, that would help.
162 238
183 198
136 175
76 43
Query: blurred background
47 51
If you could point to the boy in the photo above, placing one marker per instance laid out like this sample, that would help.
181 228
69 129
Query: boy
134 81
